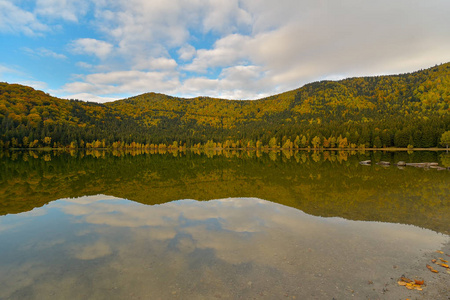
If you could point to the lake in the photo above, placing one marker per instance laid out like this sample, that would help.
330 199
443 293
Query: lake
213 225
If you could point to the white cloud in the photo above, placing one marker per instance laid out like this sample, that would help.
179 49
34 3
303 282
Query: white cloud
198 86
243 48
4 69
120 82
101 49
38 85
69 10
148 29
297 42
186 52
226 52
49 53
16 20
84 65
160 63
20 77
225 16
43 52
90 97
239 82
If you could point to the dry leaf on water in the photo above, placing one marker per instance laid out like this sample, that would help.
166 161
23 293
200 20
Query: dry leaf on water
438 251
440 264
406 279
431 269
411 285
443 260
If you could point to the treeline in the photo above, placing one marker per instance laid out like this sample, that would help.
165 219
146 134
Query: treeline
394 132
407 110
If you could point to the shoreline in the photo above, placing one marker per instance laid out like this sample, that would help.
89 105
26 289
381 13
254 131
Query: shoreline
436 284
241 149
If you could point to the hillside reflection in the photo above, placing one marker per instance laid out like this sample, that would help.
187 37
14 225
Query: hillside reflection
318 183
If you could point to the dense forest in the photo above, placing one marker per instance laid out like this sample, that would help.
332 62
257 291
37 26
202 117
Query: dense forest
407 110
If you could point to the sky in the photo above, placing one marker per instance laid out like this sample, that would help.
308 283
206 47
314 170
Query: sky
104 50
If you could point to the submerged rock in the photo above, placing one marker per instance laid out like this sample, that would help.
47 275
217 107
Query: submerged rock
438 168
365 162
383 163
401 164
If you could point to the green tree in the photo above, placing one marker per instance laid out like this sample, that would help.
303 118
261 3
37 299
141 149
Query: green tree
401 138
377 142
303 142
332 142
288 144
14 142
251 144
316 142
273 142
297 142
25 142
47 140
445 139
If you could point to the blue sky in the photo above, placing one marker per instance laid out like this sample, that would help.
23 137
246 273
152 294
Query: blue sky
100 50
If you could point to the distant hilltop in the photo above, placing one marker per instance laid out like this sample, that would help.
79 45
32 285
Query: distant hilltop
383 111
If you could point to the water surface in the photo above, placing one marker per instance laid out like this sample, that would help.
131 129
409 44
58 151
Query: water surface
199 227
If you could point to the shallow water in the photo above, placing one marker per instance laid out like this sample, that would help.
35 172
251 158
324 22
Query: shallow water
102 247
269 229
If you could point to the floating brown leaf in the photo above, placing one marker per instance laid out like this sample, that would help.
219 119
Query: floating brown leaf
438 251
411 285
431 269
406 279
443 260
418 282
433 260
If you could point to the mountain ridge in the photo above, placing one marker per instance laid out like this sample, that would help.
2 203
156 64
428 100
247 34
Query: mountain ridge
359 109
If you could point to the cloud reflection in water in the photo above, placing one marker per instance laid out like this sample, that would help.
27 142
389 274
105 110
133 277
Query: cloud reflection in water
107 247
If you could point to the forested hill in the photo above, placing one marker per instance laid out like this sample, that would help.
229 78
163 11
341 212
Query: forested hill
383 111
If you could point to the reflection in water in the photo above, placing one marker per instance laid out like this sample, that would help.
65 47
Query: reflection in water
329 184
101 247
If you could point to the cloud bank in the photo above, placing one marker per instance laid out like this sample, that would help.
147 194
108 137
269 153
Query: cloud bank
232 49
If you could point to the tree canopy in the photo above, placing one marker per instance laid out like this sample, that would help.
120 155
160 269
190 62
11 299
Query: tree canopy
384 111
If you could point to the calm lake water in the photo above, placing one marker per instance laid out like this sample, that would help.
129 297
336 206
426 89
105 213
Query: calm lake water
103 225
